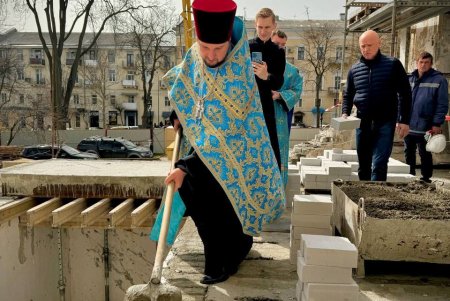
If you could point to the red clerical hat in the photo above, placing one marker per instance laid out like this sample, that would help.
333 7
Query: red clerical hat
214 20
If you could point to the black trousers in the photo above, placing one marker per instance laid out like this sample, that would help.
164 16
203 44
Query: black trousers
225 244
426 159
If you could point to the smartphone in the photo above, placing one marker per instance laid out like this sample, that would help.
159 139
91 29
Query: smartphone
257 57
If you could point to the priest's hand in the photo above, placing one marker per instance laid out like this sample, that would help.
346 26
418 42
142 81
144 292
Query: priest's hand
176 124
177 176
261 70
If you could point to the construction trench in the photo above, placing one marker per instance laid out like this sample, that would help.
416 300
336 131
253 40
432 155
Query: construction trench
77 230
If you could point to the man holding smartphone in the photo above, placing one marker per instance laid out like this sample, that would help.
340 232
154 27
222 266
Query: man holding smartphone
268 62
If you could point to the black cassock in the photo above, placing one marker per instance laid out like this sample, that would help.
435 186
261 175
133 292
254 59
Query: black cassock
276 62
225 244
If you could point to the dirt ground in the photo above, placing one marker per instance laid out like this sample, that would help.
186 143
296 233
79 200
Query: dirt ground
415 200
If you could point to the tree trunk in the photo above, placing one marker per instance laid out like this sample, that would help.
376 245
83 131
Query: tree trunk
317 102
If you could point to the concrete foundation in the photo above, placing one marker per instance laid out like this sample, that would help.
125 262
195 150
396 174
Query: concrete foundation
30 266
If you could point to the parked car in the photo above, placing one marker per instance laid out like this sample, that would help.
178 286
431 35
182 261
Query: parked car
107 147
44 151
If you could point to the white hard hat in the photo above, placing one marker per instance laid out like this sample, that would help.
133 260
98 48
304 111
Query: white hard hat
436 143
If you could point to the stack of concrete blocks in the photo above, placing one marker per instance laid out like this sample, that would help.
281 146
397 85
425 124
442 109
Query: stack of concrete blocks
311 214
324 269
318 173
293 184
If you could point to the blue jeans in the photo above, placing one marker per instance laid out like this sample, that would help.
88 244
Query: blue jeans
426 159
374 140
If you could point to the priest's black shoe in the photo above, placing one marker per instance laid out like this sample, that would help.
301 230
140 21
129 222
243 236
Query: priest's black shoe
212 280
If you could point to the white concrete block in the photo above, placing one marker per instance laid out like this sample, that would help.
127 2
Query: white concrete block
293 182
327 153
398 167
293 169
400 178
329 291
315 175
296 232
337 168
310 161
354 176
310 220
317 185
344 124
328 250
354 165
320 204
337 151
323 274
336 157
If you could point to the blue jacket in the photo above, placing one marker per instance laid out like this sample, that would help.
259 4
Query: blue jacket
379 89
430 101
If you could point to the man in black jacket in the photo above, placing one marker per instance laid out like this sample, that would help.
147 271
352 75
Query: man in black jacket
269 72
378 86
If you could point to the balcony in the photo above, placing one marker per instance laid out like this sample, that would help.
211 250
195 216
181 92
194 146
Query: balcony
38 82
128 65
69 62
91 63
129 106
37 61
129 83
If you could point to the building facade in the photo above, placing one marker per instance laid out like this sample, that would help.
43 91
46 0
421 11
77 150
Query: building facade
108 89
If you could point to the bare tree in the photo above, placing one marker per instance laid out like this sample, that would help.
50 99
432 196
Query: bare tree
151 32
320 41
9 66
60 28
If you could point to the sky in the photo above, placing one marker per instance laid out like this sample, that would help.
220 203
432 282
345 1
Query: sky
285 9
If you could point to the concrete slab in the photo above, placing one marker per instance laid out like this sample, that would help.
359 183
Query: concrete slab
86 178
311 220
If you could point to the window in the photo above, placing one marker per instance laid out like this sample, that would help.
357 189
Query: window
3 97
94 99
131 98
77 120
320 52
339 53
92 55
39 77
21 99
130 75
300 102
337 82
76 99
71 54
130 60
112 118
166 101
112 75
36 53
112 99
111 56
301 53
3 53
20 54
20 73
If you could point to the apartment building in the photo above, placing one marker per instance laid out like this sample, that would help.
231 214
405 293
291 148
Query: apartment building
314 42
108 88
